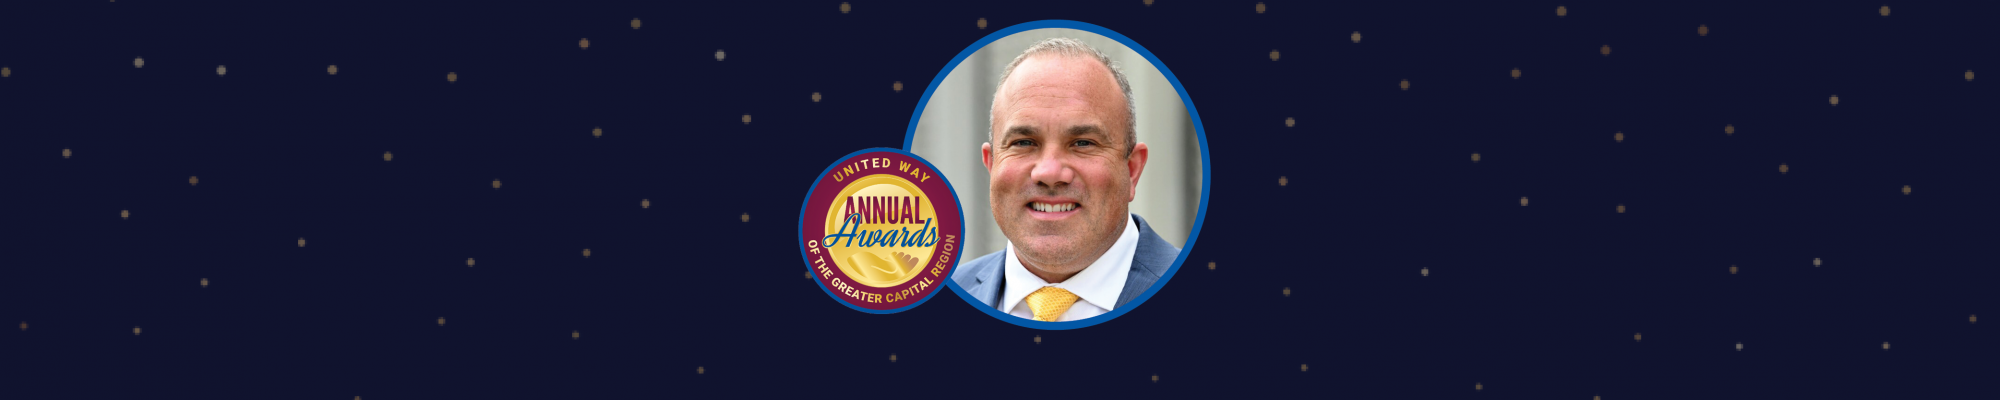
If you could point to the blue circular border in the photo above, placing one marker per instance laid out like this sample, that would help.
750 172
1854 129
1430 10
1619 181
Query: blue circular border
815 187
1201 137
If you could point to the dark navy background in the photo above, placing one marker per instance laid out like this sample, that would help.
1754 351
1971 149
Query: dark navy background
1526 302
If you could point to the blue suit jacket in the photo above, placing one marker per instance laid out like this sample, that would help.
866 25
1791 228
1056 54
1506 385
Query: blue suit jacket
984 277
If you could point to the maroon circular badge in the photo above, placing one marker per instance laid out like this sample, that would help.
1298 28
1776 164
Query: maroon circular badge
880 230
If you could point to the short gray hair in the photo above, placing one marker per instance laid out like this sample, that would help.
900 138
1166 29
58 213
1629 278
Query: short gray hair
1076 48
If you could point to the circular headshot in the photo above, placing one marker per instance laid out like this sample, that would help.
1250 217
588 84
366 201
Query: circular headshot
1081 167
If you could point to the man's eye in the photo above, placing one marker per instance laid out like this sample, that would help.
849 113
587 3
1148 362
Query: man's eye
1021 143
1085 143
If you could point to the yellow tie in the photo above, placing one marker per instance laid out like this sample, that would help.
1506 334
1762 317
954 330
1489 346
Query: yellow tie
1050 302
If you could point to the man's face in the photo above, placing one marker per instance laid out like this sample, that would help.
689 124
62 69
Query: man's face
1060 175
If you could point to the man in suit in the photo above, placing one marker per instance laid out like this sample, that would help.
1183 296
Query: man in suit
1063 159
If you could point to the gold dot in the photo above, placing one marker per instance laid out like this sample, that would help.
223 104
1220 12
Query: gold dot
1968 75
440 321
6 72
1885 345
1289 122
1476 386
1260 10
1973 319
192 180
1274 55
333 69
635 23
746 119
1356 36
1288 291
1426 271
1885 10
1729 130
387 156
1816 262
135 331
844 8
1701 30
1405 85
1524 201
1618 137
1782 168
1835 100
1475 158
1596 397
574 335
1211 265
1516 73
1038 339
815 97
1149 3
719 55
496 183
1282 181
451 77
982 23
1732 270
892 357
1739 346
1636 337
1906 190
204 283
1302 368
586 253
1621 208
746 218
597 132
65 153
24 325
139 62
585 43
1561 11
645 203
469 262
302 242
221 70
1156 377
896 86
699 370
1606 50
124 214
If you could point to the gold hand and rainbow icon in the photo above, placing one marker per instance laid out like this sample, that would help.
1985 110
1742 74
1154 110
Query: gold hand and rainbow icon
869 269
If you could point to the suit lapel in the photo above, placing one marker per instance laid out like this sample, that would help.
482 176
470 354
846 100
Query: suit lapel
993 282
1149 262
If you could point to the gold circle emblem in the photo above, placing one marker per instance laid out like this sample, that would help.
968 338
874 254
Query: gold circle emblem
887 206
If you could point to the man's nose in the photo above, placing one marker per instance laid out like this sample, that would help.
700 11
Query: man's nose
1052 168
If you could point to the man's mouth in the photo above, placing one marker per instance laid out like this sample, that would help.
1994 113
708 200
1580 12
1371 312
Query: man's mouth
1052 207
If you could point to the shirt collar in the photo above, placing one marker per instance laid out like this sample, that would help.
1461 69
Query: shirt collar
1100 283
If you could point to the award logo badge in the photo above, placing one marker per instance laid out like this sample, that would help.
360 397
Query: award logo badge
880 230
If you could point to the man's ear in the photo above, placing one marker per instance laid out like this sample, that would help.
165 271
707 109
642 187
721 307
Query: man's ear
1137 164
986 155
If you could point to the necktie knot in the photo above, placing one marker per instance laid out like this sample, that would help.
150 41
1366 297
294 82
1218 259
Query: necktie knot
1049 303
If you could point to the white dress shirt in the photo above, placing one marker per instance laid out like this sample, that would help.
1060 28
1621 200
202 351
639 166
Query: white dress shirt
1097 286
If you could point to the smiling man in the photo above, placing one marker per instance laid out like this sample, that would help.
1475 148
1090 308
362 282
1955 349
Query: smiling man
1063 159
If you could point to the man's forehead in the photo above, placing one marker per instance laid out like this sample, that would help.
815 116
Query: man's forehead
1045 81
1059 70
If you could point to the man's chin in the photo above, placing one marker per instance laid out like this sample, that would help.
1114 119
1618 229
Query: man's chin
1049 248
